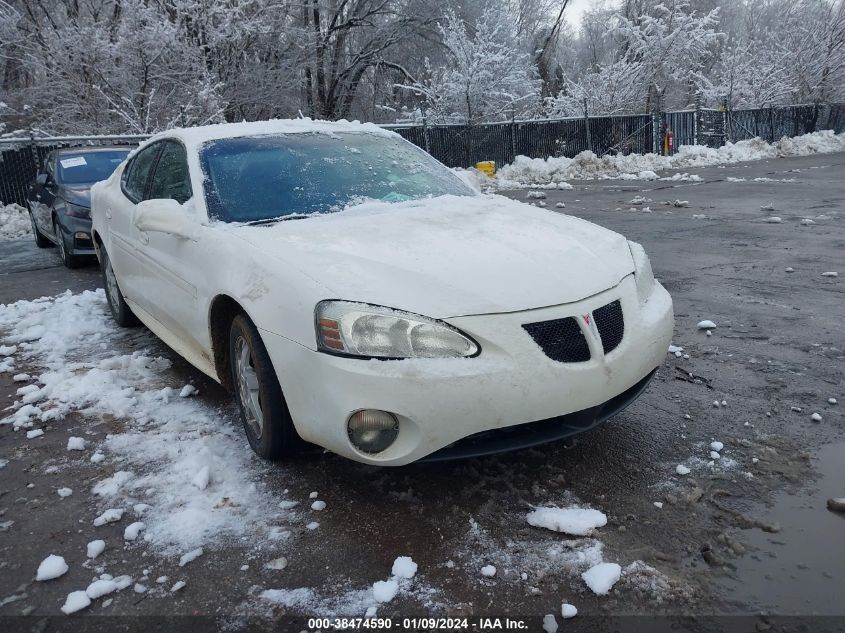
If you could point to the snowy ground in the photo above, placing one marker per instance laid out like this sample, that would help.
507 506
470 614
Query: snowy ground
652 512
14 222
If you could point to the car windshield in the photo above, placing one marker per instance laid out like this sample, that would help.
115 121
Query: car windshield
82 168
255 178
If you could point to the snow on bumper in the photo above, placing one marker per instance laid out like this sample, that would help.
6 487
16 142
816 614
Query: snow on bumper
439 402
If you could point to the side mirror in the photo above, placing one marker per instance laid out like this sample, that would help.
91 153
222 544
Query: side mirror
163 215
42 179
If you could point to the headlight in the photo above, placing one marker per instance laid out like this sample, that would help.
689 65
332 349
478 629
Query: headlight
359 329
75 211
642 271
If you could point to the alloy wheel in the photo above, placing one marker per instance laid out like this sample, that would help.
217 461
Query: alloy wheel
247 387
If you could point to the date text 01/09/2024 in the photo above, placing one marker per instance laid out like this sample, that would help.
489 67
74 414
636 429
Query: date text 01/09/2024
419 624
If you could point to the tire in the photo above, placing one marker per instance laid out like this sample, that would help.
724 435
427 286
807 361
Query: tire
40 240
264 412
70 261
121 312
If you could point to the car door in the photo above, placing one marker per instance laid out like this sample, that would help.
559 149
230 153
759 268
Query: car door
168 263
118 213
43 196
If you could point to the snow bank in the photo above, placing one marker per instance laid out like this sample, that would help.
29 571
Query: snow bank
14 222
524 171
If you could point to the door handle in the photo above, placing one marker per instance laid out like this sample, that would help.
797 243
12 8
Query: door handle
108 213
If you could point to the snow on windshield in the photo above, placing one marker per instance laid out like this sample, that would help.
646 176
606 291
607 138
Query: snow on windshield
262 177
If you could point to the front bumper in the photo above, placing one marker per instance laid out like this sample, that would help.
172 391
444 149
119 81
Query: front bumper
512 382
75 244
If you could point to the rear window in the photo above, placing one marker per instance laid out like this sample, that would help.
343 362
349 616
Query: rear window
87 167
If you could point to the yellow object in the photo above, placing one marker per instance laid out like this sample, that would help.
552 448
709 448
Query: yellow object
487 166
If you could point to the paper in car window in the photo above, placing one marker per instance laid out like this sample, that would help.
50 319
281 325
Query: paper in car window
76 161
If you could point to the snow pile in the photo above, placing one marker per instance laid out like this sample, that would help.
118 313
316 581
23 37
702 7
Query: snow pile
14 222
574 521
526 171
167 444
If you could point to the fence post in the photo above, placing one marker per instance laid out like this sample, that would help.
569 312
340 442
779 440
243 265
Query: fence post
425 128
513 135
726 121
32 151
587 126
771 124
698 120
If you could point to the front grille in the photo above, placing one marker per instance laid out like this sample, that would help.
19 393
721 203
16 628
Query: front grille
561 340
611 325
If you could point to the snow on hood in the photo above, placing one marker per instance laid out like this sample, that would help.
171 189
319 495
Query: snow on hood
449 256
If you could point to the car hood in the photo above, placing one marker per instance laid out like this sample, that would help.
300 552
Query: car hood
449 256
80 195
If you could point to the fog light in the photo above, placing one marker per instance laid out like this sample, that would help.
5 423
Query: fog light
372 431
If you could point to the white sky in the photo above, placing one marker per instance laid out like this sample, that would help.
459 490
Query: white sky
575 9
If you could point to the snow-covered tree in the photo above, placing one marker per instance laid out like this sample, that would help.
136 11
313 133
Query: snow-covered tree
484 76
613 88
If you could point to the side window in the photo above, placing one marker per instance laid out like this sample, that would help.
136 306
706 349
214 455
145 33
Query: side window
138 171
171 179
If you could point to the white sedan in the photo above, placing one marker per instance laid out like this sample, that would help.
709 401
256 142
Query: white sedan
356 294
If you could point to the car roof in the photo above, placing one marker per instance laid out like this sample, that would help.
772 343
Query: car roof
194 137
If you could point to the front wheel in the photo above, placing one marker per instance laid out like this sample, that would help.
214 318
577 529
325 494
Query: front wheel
121 312
69 260
266 419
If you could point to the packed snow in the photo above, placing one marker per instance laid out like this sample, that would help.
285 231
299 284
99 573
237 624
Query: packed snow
75 444
574 521
166 446
404 567
51 567
601 578
533 172
488 570
95 548
100 588
385 590
568 611
14 222
75 601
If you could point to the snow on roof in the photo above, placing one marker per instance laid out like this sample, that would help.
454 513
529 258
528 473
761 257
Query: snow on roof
196 136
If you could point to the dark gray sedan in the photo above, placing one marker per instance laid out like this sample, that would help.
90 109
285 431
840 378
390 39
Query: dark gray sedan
60 199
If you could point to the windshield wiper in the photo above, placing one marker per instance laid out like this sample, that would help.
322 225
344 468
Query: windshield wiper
281 218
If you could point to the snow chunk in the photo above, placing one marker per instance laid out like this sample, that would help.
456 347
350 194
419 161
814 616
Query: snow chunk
568 611
488 570
716 446
831 400
177 586
313 525
187 391
706 325
574 521
51 567
774 219
188 557
715 455
385 590
601 578
133 530
95 548
658 504
816 417
8 350
64 492
404 567
97 457
75 601
30 435
202 477
549 623
831 273
111 515
318 505
100 588
682 470
75 444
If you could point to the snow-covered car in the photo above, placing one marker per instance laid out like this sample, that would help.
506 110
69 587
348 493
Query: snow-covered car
354 293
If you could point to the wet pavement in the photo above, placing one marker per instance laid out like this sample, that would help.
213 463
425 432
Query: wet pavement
740 537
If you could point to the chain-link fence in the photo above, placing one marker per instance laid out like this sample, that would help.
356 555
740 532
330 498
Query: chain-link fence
465 145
